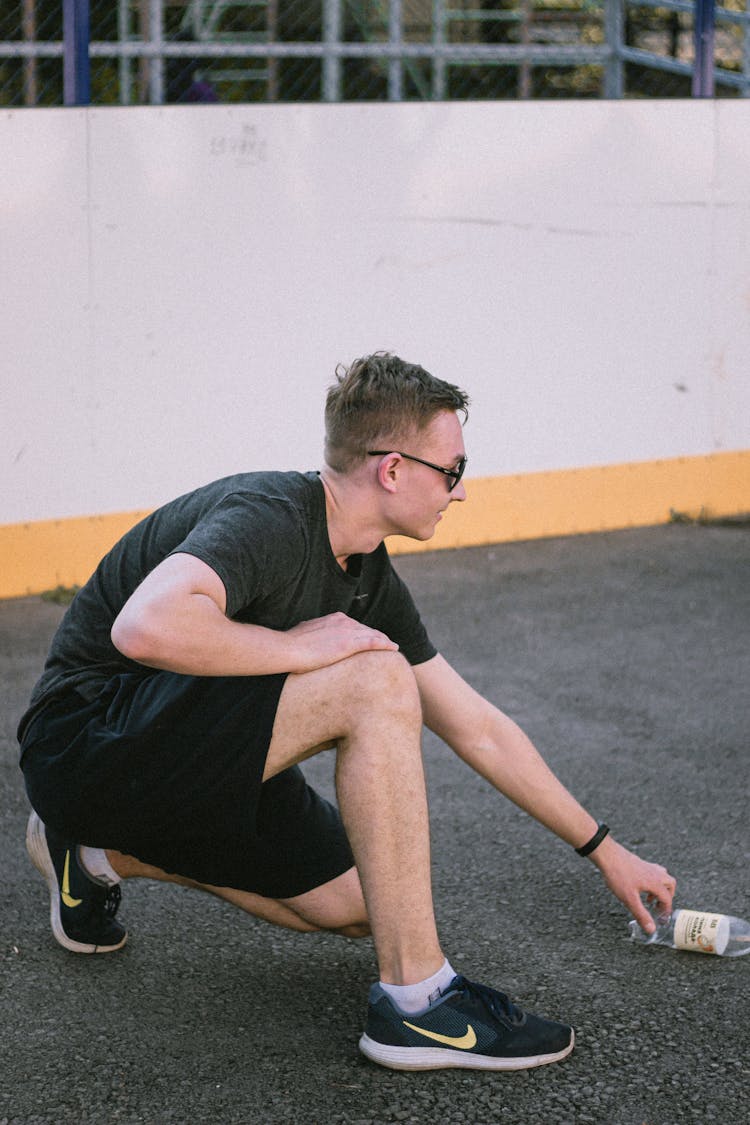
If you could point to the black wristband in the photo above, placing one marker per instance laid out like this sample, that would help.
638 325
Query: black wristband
595 840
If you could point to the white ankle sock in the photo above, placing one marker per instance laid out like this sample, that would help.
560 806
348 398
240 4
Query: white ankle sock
411 998
96 865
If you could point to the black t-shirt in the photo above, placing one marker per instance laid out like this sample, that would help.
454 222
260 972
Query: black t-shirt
266 536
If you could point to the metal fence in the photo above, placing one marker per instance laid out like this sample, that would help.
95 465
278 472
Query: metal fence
133 52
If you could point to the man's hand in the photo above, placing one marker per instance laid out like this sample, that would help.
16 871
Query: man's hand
326 640
628 877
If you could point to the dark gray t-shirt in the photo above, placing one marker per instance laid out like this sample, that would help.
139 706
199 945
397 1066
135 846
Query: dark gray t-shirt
266 536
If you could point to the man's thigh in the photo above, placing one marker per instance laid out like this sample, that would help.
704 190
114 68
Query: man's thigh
316 709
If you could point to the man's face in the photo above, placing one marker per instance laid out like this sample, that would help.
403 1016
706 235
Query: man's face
423 492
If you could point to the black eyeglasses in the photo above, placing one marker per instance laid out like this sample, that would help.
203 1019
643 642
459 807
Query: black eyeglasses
454 474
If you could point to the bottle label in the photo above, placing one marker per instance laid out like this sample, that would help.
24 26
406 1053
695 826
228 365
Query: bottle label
701 932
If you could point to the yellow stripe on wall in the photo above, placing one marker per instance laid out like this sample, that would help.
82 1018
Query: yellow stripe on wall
48 553
42 555
605 498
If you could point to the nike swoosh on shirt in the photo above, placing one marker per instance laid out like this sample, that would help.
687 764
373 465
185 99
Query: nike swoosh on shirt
463 1042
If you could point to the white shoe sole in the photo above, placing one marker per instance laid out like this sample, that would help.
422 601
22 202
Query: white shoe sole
439 1058
36 846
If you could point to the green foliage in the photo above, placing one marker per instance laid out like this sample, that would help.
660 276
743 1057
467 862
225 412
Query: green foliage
61 595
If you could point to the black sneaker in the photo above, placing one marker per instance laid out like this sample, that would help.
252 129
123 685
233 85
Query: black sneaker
82 912
470 1026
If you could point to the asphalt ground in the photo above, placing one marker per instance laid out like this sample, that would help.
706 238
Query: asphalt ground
625 657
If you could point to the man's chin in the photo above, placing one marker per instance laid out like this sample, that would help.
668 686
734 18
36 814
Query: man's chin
421 536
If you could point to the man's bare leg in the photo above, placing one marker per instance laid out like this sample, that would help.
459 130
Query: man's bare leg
369 706
337 906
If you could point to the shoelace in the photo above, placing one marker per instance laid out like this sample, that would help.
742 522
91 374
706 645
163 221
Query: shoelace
112 899
498 1003
103 905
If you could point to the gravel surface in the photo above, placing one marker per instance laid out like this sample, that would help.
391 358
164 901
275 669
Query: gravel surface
625 657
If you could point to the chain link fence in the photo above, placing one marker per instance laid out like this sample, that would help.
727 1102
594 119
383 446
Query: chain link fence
659 48
167 51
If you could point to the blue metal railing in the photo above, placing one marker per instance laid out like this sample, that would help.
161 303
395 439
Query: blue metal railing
612 55
703 72
76 72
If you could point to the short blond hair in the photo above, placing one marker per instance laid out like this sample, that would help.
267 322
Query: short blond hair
378 400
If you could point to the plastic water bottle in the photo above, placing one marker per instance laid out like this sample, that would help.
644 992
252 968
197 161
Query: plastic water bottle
699 931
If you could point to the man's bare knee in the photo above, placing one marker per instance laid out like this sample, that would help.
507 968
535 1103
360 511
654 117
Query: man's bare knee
381 681
321 708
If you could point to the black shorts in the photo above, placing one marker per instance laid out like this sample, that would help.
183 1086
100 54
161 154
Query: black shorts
168 768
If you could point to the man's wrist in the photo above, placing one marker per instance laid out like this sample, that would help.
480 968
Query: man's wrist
591 845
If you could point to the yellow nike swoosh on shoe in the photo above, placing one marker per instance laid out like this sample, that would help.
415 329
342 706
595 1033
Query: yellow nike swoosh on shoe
463 1042
65 893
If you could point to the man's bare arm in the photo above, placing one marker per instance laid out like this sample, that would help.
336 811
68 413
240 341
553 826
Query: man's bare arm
175 620
493 745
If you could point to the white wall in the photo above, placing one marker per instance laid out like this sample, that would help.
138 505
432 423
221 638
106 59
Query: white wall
178 284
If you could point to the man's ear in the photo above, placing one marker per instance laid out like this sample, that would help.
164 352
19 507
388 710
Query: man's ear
388 468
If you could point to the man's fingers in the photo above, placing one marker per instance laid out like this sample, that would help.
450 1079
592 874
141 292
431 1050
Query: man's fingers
642 916
664 899
379 640
662 891
326 640
659 899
